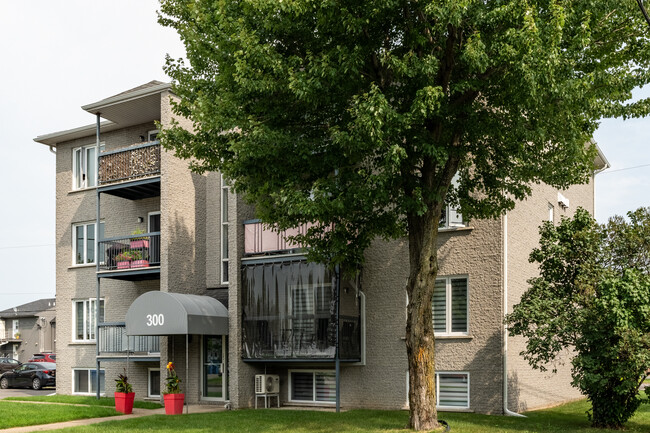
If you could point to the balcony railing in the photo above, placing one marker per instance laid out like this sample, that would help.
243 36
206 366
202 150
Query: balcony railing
129 252
131 163
10 335
259 239
113 339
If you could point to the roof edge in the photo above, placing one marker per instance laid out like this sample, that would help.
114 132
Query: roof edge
56 137
95 107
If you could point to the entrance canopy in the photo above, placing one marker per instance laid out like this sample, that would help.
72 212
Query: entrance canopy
163 313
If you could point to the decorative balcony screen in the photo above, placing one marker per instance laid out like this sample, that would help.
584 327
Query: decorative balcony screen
289 312
134 162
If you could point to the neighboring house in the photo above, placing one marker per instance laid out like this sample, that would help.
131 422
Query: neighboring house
28 329
173 263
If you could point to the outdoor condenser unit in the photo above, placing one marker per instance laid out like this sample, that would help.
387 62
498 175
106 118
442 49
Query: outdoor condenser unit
267 384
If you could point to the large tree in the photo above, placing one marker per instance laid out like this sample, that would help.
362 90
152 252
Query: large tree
592 297
357 115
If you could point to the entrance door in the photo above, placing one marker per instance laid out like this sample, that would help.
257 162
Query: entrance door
214 367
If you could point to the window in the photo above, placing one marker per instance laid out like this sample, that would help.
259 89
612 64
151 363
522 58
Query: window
452 390
312 386
84 166
451 218
152 135
550 212
84 243
225 188
83 318
450 306
15 324
84 381
154 383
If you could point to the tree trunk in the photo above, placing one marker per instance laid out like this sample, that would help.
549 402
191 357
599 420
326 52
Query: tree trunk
423 233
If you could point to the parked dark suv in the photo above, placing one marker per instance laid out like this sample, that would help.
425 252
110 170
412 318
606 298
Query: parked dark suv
43 357
31 375
8 364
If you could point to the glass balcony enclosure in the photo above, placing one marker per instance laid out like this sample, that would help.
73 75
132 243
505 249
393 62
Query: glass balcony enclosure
289 313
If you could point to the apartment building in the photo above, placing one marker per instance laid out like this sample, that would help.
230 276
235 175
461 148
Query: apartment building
157 264
28 329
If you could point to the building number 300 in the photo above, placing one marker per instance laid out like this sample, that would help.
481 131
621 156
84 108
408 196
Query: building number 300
155 319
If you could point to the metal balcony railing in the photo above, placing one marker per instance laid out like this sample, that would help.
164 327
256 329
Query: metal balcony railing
131 163
113 339
10 335
129 252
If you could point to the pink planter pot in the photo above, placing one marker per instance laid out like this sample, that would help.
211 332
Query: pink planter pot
123 265
143 243
124 402
140 264
174 403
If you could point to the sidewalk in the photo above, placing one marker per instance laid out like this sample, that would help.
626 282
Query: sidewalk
137 413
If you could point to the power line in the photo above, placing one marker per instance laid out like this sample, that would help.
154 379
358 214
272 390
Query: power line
626 168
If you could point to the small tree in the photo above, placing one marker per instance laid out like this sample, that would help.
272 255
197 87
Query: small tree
357 115
586 301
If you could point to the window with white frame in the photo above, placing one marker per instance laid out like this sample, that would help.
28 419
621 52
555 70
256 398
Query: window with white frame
84 166
312 386
84 381
450 217
450 306
152 135
153 388
84 243
452 390
550 212
84 313
225 188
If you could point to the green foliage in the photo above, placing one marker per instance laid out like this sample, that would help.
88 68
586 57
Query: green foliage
122 383
172 381
593 297
358 114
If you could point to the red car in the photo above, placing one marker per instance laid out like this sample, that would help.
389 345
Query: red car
43 357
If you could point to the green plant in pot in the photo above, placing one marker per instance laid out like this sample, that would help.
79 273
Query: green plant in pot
124 395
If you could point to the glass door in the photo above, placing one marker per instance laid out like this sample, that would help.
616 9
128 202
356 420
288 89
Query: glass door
213 357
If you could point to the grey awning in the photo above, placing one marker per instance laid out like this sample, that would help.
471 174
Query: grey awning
163 313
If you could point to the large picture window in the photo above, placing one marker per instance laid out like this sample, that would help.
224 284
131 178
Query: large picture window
84 166
450 306
84 243
84 381
84 318
312 386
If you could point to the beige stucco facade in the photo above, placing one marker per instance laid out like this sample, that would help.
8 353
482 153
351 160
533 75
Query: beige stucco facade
491 254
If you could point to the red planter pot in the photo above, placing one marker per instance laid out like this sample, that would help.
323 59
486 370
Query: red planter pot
174 403
123 265
124 402
140 264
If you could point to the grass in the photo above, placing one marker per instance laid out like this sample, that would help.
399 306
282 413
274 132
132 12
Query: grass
87 400
21 414
569 418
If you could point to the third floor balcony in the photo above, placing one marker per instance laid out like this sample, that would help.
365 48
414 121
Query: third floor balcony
132 172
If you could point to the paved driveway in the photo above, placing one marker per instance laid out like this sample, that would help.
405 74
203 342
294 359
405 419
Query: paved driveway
21 392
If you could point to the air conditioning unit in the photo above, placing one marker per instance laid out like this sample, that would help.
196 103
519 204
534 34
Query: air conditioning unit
267 384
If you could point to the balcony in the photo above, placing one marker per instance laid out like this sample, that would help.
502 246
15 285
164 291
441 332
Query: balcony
132 172
259 239
114 343
10 336
133 258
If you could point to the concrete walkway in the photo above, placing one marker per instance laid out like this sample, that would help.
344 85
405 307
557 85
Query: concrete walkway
137 413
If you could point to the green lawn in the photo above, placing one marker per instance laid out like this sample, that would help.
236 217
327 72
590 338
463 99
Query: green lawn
565 419
23 414
88 400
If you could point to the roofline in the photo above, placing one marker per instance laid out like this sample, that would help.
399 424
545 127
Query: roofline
56 137
605 163
96 107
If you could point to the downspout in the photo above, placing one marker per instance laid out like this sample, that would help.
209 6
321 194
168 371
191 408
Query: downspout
506 411
97 301
52 150
337 361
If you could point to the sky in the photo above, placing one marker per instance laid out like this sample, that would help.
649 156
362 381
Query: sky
57 56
